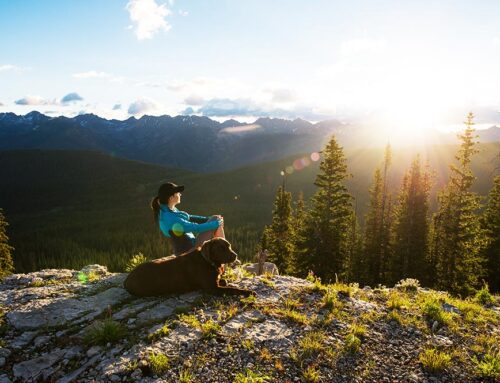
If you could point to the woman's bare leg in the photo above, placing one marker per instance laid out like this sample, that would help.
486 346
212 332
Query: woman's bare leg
208 235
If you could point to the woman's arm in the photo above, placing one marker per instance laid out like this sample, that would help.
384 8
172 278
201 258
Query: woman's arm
197 218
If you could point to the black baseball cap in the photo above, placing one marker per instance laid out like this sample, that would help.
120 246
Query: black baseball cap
169 189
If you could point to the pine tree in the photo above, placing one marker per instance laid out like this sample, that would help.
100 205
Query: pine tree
458 240
295 266
326 234
6 263
411 228
357 265
279 233
491 224
378 224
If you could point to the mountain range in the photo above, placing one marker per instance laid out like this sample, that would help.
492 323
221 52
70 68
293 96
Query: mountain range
186 142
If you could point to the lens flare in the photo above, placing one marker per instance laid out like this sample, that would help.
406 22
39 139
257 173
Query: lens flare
315 156
305 161
289 169
297 164
177 229
82 277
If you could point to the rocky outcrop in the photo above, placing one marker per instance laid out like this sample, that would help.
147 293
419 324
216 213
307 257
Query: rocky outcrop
82 326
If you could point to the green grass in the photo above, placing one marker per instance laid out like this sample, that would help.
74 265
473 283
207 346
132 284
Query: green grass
3 322
159 363
160 333
483 296
358 330
251 377
394 316
433 311
190 320
352 344
489 365
311 344
329 300
396 301
209 329
105 331
408 285
248 344
186 376
434 361
311 375
293 316
135 261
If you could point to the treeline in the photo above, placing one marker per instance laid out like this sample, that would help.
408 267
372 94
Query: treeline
456 249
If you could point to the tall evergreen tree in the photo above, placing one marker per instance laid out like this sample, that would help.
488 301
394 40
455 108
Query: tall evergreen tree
279 233
326 236
378 224
411 227
295 266
6 263
357 264
491 224
458 240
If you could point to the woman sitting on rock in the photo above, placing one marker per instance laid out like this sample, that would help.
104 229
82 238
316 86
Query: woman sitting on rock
179 226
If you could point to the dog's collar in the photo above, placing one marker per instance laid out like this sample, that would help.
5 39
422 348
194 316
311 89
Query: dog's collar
208 260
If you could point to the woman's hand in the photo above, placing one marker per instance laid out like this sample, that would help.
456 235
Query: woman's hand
220 219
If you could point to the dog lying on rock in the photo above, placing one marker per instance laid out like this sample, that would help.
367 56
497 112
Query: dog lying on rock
198 269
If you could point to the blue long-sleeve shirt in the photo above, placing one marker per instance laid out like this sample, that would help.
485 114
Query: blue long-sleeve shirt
179 223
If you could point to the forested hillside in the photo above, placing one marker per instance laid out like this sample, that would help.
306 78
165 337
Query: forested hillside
70 208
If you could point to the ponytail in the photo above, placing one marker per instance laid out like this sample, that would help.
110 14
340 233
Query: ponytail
155 206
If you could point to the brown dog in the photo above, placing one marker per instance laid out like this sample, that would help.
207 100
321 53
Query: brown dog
198 269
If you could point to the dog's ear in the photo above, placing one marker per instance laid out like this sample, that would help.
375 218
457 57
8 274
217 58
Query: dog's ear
205 248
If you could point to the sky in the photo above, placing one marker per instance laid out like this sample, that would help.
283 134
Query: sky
401 65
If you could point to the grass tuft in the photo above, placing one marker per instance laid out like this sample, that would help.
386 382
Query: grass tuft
135 261
311 375
483 296
251 377
106 331
210 329
489 366
352 344
159 362
408 285
434 361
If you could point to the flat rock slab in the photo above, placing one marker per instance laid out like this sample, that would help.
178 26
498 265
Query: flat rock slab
134 307
271 329
38 368
237 323
158 312
182 334
55 312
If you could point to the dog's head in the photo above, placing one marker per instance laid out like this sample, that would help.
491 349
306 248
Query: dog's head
219 251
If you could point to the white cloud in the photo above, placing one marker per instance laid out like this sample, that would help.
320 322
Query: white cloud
71 97
282 95
1 104
117 107
34 100
148 18
99 75
143 106
183 12
356 46
9 67
194 100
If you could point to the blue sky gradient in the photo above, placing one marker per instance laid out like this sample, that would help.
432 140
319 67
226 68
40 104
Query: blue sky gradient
372 62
